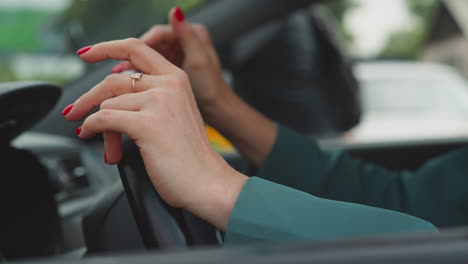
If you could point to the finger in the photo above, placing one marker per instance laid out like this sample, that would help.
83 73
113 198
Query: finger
158 34
163 39
112 86
155 35
187 37
173 53
116 121
128 102
123 66
112 147
112 140
205 39
132 50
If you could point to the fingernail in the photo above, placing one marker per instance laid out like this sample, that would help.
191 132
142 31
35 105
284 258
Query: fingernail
67 110
78 131
83 50
179 14
105 158
117 68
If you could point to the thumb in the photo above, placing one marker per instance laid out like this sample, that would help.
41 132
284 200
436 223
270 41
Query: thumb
188 39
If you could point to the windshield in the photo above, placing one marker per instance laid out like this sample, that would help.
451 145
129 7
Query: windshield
40 37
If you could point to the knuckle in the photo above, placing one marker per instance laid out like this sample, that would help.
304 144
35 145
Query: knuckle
148 122
134 41
111 83
106 104
96 120
170 82
196 63
202 33
178 80
201 29
183 77
164 97
153 95
111 79
103 116
156 28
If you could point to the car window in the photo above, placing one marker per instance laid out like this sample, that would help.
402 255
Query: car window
400 95
39 38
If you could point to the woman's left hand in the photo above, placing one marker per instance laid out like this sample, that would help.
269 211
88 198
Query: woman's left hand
160 114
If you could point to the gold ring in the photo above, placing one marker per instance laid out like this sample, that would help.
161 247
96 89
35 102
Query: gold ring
135 77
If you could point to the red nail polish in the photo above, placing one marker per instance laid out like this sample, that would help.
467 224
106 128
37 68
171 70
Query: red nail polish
78 131
117 68
179 14
105 158
67 110
83 50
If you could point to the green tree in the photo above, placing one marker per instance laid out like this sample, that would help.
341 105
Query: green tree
21 30
422 9
339 9
404 44
407 44
6 73
101 20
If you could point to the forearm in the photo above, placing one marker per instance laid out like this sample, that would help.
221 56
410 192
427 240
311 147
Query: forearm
252 133
435 192
265 211
298 162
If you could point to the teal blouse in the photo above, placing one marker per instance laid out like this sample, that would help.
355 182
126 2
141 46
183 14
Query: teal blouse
303 193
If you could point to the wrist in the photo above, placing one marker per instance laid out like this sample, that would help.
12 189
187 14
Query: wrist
221 109
215 201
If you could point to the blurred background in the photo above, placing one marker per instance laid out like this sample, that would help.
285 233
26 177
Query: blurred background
37 35
401 50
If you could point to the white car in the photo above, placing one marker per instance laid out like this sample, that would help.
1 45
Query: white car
410 101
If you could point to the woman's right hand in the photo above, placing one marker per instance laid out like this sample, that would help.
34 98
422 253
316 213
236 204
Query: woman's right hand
159 113
189 46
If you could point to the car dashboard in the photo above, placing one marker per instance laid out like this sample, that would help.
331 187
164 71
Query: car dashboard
77 173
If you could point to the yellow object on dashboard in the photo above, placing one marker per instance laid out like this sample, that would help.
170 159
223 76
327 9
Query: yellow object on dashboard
218 142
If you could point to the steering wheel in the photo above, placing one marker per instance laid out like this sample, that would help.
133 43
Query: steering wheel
23 104
161 226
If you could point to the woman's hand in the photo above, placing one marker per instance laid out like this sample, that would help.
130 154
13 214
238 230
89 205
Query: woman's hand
160 114
189 46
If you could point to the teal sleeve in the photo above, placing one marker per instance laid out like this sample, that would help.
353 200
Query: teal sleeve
266 211
436 192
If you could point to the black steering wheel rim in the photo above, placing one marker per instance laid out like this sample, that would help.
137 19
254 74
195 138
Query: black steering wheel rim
160 225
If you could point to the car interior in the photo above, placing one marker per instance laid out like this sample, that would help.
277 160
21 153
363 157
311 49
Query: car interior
59 199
